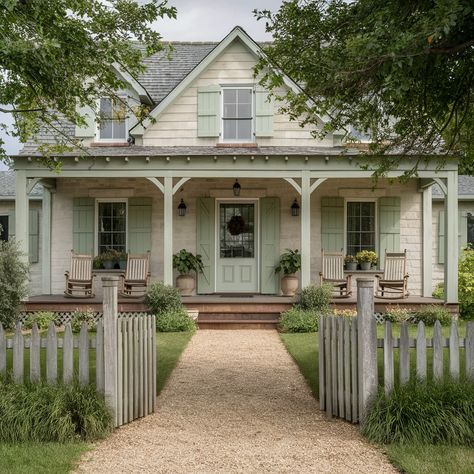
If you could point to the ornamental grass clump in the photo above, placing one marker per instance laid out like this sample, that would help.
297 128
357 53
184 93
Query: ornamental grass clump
42 319
432 313
435 412
52 413
297 319
316 298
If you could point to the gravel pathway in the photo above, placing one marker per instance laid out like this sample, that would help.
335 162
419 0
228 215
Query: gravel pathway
236 402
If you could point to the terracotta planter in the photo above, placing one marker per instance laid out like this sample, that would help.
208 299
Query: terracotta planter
185 284
289 285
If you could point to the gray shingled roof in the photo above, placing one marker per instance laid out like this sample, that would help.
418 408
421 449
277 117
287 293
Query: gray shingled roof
465 187
7 186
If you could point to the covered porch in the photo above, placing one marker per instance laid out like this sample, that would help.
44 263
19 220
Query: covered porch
172 175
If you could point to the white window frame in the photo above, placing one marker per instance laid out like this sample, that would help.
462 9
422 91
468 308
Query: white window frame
374 200
96 221
97 125
7 215
252 128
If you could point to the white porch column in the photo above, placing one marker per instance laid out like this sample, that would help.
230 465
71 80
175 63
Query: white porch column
46 243
21 213
305 229
168 231
427 242
451 239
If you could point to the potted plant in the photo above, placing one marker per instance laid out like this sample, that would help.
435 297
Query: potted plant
122 260
366 259
186 263
351 263
108 259
289 264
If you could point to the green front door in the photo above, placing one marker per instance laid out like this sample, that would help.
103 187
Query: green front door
236 259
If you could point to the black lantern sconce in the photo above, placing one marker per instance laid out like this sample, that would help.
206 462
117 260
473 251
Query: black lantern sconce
182 209
236 188
295 208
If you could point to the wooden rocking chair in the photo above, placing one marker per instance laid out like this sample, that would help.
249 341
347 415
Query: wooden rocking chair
333 274
137 276
79 279
394 281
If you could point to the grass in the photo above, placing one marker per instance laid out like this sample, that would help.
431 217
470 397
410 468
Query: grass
304 348
55 458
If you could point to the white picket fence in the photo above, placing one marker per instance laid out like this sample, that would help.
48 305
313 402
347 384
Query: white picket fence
348 367
124 353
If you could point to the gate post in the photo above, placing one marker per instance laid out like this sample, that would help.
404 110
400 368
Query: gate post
367 344
110 315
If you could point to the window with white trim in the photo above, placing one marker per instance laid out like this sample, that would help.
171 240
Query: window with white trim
360 226
470 230
237 114
113 121
111 226
4 228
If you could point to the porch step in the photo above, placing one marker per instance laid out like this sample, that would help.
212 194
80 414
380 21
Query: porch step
238 320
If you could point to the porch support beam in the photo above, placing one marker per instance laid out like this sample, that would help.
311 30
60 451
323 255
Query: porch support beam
451 239
179 184
157 183
168 231
316 183
21 213
294 184
31 184
305 229
427 250
46 243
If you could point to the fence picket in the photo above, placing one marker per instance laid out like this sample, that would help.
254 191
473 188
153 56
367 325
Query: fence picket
321 361
154 362
68 354
3 351
136 362
125 370
340 367
150 365
437 352
145 366
51 355
347 369
83 355
404 354
421 361
131 380
328 371
99 357
18 362
454 351
354 371
388 358
334 365
469 350
35 343
119 372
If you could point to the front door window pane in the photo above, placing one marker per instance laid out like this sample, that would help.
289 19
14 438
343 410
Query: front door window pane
360 227
112 226
237 114
237 230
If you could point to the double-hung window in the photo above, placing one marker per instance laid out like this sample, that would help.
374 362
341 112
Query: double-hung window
4 228
113 122
470 230
111 226
237 114
360 226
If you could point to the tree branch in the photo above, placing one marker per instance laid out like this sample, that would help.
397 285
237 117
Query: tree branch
20 111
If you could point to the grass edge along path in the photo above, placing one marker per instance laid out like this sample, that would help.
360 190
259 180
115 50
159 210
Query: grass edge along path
60 458
424 459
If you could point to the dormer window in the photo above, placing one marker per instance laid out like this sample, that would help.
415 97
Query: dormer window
237 114
113 121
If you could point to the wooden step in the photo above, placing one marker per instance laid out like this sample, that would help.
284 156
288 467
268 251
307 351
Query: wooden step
237 324
209 317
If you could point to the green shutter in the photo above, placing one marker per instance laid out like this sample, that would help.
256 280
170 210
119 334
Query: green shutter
389 226
11 224
205 236
263 114
33 238
83 225
270 238
88 130
462 224
441 237
332 224
208 111
139 225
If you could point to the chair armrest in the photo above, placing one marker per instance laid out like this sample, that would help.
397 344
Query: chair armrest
378 277
406 276
66 273
320 274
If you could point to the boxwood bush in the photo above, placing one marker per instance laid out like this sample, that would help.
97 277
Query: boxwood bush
429 315
59 413
176 320
316 298
297 319
434 412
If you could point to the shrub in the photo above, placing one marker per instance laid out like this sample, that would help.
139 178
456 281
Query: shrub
290 262
316 298
162 298
59 413
80 316
429 315
439 291
174 320
42 318
297 319
466 285
434 412
347 313
13 282
397 314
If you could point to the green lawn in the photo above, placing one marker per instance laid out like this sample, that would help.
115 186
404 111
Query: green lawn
55 458
410 459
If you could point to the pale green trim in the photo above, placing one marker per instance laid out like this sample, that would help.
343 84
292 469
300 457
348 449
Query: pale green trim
427 247
168 232
305 230
46 243
145 97
451 239
21 214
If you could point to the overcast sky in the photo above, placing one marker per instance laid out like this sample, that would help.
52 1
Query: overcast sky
198 20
